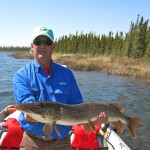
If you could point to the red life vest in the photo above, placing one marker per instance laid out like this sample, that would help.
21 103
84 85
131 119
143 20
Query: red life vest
84 140
13 136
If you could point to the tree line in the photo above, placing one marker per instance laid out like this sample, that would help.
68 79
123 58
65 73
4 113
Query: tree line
134 44
14 48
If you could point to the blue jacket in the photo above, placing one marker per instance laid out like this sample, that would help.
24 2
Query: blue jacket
31 84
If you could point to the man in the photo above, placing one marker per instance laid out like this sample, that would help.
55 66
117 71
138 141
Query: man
44 80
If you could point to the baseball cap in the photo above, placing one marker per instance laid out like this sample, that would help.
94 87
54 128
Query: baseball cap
43 31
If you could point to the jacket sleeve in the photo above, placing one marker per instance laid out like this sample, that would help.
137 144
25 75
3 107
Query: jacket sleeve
21 88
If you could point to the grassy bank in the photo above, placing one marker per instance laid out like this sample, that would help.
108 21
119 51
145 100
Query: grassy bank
111 65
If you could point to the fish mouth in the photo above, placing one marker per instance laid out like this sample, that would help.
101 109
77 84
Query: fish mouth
21 108
28 108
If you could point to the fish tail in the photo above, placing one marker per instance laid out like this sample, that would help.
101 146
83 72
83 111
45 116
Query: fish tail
132 125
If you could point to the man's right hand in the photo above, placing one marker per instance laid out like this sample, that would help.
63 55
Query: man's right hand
30 119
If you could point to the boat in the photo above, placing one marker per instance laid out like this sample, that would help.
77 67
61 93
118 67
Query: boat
107 136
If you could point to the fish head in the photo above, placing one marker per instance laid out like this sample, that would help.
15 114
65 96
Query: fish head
26 108
41 111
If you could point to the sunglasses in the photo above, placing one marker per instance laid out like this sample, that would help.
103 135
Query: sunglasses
42 42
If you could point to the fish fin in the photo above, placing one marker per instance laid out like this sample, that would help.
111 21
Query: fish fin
119 126
92 126
132 125
87 127
117 106
47 128
56 129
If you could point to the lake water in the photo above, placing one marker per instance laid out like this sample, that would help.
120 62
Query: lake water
133 93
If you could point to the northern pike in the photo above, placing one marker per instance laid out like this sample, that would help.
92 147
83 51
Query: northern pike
85 113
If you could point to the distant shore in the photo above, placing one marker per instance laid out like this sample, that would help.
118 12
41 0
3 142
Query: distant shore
111 65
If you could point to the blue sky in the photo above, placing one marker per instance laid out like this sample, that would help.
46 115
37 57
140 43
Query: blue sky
19 18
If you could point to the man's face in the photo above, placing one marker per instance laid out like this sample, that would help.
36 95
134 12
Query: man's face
42 49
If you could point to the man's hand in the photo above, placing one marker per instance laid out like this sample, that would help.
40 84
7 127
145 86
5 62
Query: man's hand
30 119
102 118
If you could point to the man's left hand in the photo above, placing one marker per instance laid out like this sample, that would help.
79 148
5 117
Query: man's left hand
102 119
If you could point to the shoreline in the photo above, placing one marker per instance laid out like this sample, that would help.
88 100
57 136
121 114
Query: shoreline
118 66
